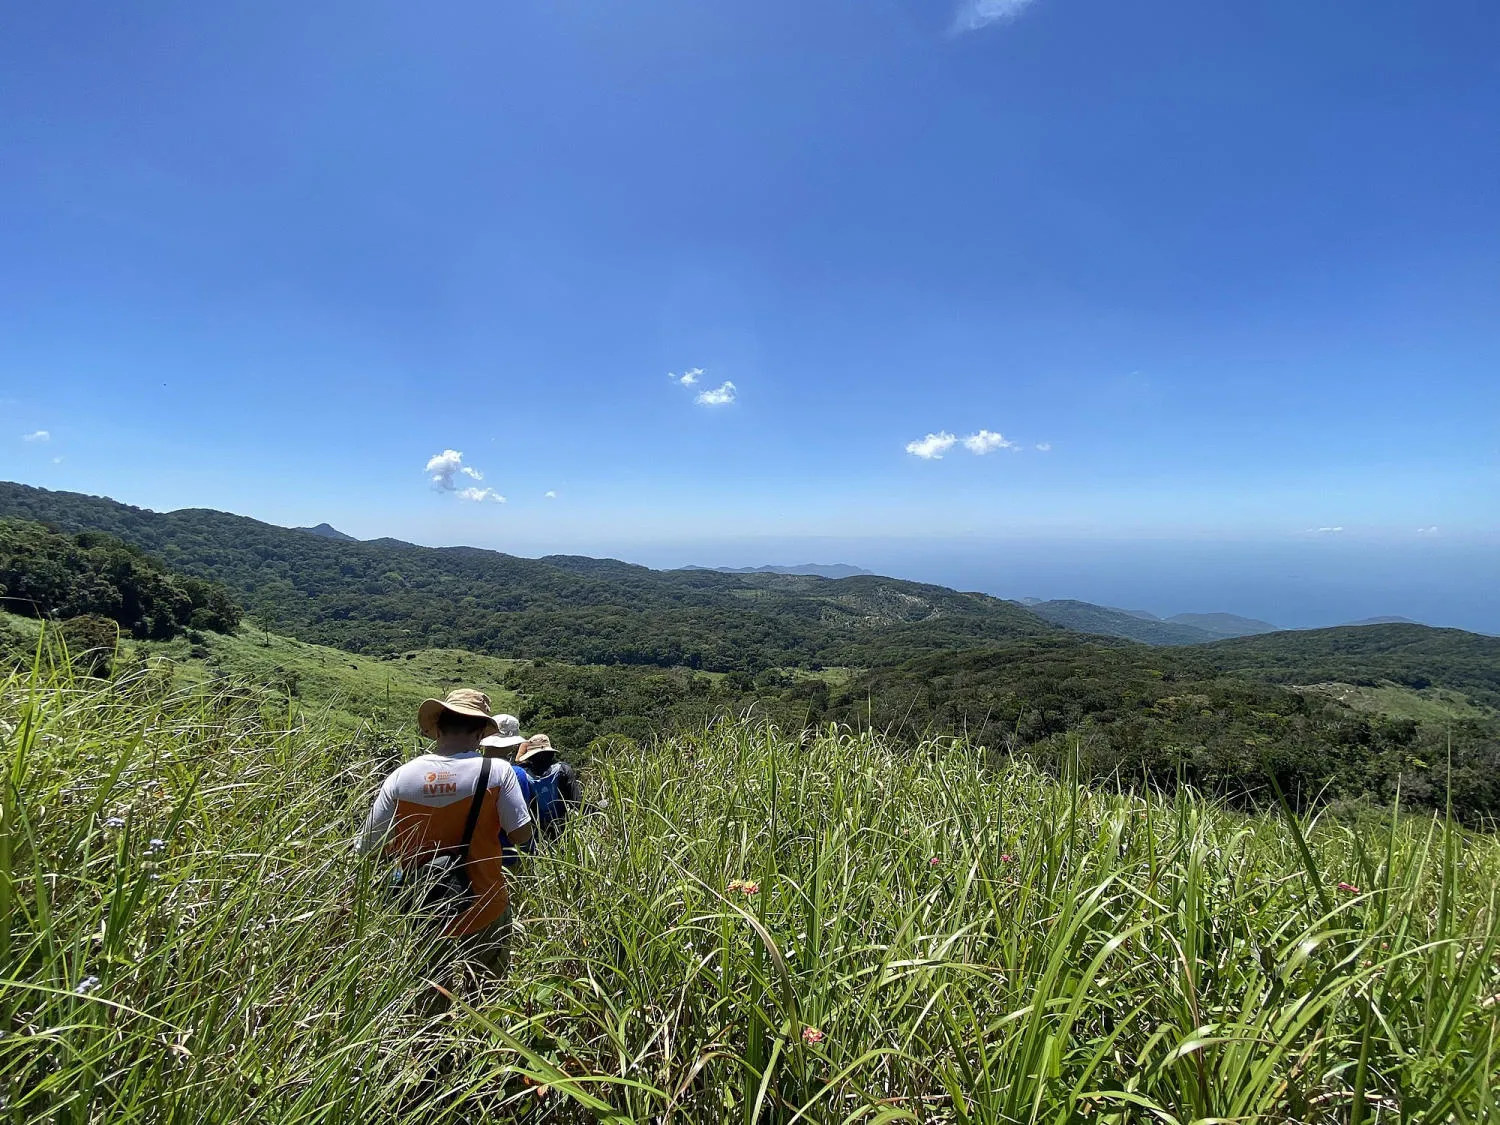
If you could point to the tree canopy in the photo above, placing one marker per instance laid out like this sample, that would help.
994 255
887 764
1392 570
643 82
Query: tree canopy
47 573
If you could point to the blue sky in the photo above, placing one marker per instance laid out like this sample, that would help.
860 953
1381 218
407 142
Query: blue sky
1203 273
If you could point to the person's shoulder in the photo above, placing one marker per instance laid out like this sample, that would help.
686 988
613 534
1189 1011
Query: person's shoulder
506 773
410 766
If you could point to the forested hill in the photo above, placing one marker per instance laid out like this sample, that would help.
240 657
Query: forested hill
1414 656
386 596
1085 617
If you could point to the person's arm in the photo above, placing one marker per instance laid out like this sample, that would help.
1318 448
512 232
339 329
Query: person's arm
378 823
510 806
568 786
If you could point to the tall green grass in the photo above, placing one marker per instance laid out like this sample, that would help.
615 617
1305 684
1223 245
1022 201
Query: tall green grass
927 935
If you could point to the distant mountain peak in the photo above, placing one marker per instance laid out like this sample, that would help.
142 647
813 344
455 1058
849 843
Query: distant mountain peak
327 531
1225 624
1384 621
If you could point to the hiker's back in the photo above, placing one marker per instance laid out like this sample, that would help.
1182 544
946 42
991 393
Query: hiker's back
554 793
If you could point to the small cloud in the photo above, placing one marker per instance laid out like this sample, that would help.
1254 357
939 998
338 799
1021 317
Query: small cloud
442 466
722 395
987 441
38 435
480 495
1427 530
1327 530
974 14
472 473
687 378
59 461
933 446
550 494
1044 447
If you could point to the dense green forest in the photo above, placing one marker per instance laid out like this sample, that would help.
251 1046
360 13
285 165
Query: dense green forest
388 596
1415 656
1167 716
1134 715
45 573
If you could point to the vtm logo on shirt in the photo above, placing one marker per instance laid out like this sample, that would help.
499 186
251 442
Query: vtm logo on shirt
439 785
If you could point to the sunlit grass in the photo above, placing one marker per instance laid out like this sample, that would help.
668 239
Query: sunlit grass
756 927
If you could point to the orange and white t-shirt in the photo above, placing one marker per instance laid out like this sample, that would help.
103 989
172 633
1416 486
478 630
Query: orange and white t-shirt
421 810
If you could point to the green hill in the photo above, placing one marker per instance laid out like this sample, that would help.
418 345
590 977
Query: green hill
386 596
1086 617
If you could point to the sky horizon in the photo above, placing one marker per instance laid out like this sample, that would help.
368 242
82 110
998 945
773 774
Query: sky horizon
894 272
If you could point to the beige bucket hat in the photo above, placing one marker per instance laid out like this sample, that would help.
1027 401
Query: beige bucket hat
535 748
460 701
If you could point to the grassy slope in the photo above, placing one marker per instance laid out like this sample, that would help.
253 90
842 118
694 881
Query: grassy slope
350 689
973 944
1434 706
356 688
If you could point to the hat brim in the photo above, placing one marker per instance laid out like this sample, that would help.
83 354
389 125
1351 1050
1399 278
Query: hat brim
537 753
502 741
427 716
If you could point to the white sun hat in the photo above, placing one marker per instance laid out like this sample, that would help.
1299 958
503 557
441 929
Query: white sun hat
509 728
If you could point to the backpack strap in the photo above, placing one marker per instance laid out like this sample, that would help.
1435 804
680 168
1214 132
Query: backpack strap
474 806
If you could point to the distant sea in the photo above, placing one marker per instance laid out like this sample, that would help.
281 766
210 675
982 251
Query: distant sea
1301 583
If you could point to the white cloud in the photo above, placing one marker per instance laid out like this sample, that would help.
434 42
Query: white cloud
447 465
687 378
932 447
39 435
1044 447
480 495
722 395
59 461
550 494
974 14
1328 530
1427 530
986 441
442 466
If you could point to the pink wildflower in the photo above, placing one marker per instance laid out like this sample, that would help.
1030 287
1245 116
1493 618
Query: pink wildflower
811 1035
745 887
1007 858
934 861
1349 888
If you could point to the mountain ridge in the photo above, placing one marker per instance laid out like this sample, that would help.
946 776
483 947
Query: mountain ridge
386 595
1086 617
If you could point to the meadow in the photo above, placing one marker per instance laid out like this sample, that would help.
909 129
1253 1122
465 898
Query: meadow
757 927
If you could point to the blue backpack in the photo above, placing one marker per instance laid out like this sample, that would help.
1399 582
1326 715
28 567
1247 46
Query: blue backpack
550 796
